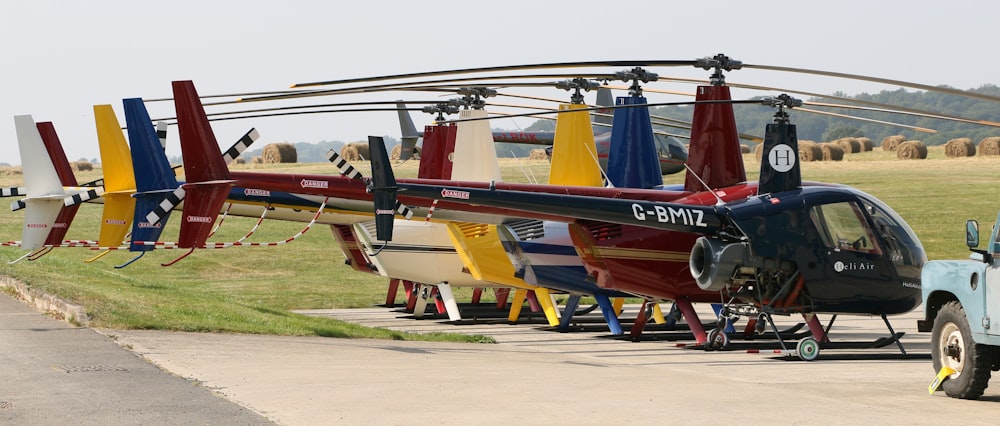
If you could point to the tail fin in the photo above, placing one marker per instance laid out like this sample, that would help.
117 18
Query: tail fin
779 166
208 179
408 133
603 117
435 157
475 153
632 158
66 214
199 148
384 189
119 178
41 181
574 153
714 155
154 180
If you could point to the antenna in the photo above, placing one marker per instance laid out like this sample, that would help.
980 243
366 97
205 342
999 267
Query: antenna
718 200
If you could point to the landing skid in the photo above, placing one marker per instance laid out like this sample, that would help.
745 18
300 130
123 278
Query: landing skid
806 348
681 332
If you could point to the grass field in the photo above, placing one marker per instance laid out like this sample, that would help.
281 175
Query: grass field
252 290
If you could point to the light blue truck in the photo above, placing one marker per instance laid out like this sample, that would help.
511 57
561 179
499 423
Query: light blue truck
961 301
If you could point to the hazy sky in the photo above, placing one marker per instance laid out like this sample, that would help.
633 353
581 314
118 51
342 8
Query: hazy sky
63 57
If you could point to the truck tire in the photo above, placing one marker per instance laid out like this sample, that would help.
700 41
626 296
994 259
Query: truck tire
952 346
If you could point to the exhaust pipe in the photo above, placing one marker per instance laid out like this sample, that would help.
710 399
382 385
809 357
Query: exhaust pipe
712 262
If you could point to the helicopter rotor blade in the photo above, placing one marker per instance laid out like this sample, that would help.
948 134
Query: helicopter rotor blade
652 63
939 89
298 107
906 112
833 114
467 81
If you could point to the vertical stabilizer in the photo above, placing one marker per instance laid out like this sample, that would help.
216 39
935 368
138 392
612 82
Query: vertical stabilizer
408 132
384 189
204 168
779 165
633 161
119 178
475 153
154 179
436 155
59 161
603 117
41 182
714 154
200 150
574 153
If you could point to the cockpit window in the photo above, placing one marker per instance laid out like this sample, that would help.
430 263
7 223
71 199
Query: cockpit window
842 226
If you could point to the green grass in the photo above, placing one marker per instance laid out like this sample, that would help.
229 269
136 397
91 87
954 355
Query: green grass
253 290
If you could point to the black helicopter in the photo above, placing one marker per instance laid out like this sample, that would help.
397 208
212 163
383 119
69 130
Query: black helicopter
792 247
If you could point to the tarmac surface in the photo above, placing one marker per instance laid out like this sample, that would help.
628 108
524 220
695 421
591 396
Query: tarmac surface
52 372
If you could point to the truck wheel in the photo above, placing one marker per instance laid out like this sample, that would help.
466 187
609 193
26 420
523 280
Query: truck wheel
952 346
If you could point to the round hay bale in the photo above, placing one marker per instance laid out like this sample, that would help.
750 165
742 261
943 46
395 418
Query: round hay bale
356 151
989 146
759 151
960 147
282 152
866 144
350 152
538 154
810 151
82 166
911 150
849 145
744 149
891 142
832 151
397 151
855 145
239 160
256 160
364 151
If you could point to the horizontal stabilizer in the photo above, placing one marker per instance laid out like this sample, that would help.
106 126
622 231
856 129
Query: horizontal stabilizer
13 191
166 206
161 133
18 205
83 197
345 167
241 145
348 170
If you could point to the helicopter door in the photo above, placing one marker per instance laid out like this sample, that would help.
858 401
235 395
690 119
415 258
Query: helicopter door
852 248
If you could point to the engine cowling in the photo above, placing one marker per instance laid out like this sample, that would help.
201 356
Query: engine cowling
713 262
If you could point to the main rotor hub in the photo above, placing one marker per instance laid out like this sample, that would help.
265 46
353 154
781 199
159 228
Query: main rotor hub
781 102
635 75
719 63
576 85
473 96
450 107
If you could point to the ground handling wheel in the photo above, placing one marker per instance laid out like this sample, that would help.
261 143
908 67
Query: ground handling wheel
717 339
807 349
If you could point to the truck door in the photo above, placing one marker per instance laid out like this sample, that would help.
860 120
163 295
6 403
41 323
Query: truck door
992 300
